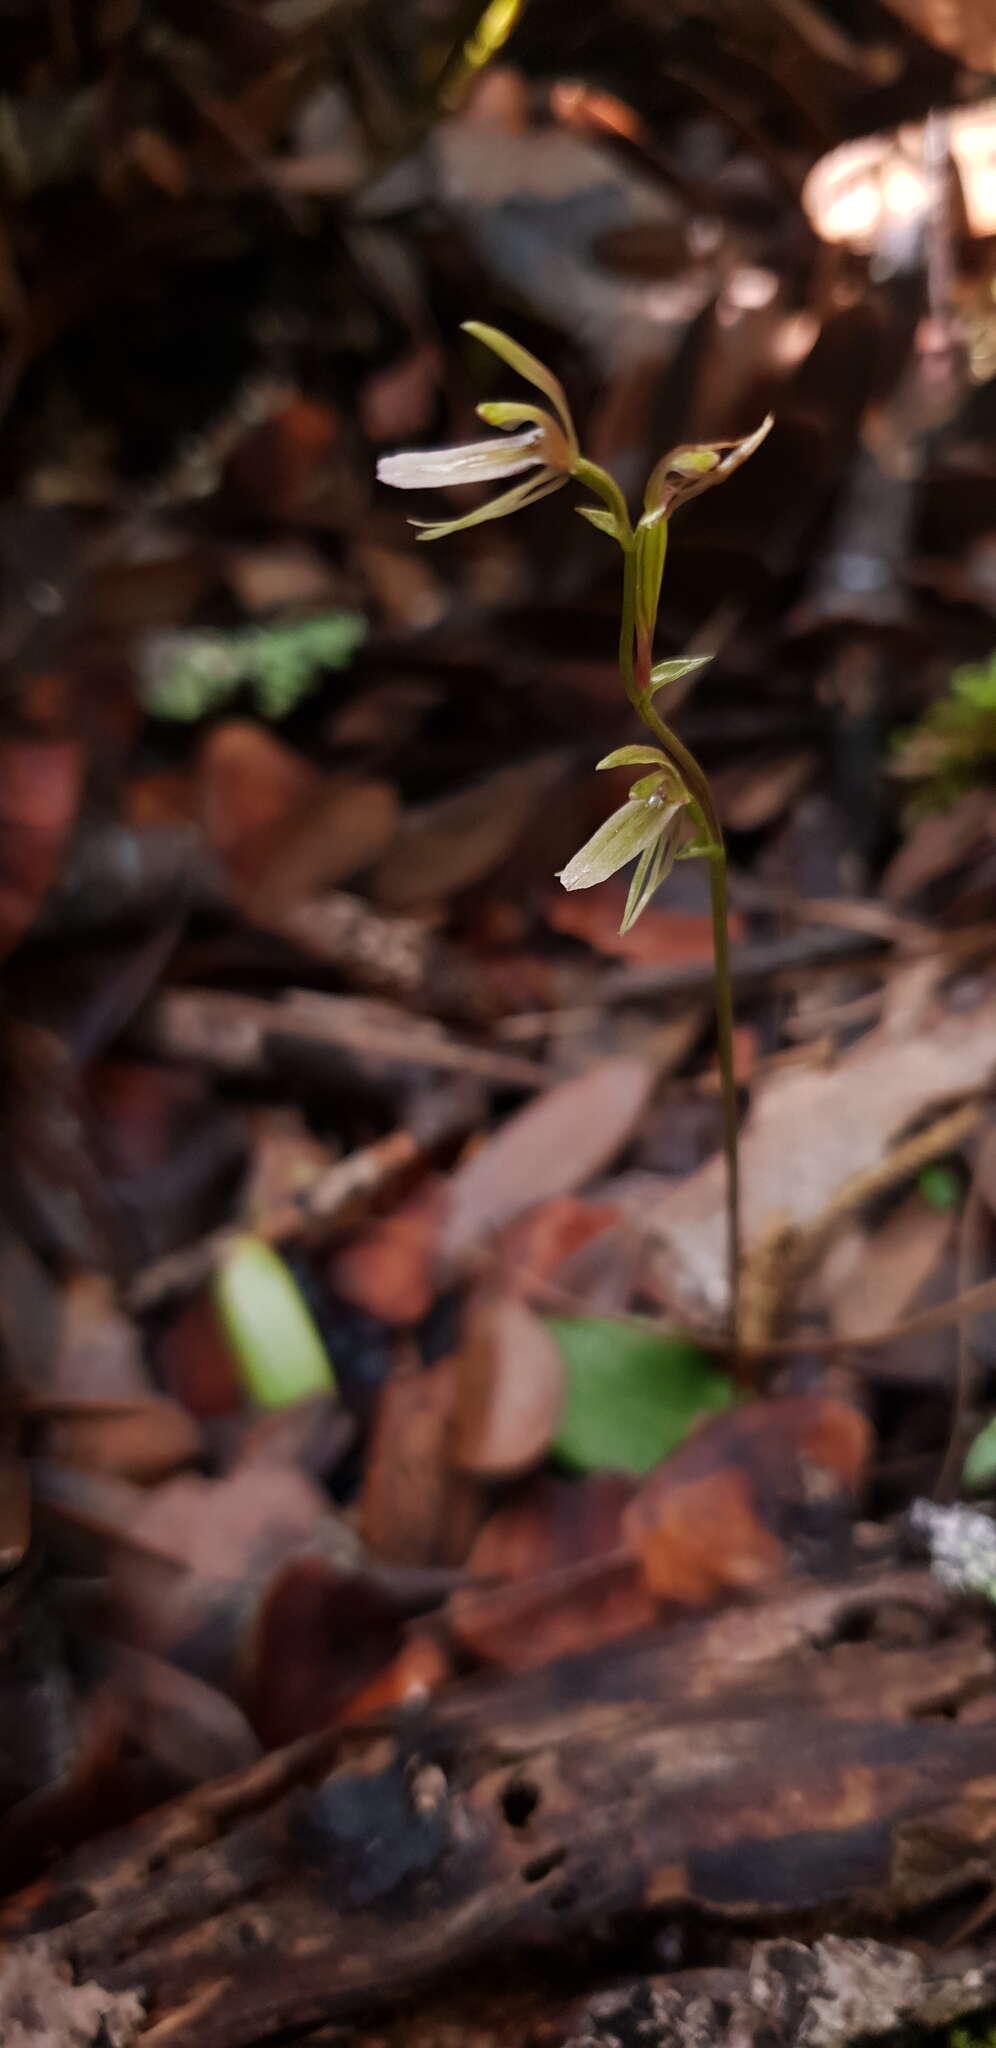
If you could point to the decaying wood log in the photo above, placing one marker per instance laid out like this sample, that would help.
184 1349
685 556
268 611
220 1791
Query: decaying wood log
749 1764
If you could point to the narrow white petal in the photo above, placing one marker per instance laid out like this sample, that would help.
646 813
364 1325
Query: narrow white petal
480 462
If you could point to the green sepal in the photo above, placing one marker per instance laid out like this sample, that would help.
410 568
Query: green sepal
624 835
514 500
634 757
650 871
505 413
528 366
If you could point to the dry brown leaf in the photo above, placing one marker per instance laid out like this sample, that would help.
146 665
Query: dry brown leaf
659 936
550 1148
450 844
141 1440
388 1269
251 787
867 1282
966 29
40 782
509 1389
413 1509
754 793
282 461
939 843
985 1168
530 1621
321 1633
345 827
288 572
196 1364
565 1579
551 1237
721 1514
552 1523
99 1353
810 1130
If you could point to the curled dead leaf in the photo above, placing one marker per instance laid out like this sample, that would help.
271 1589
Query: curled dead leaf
725 1511
509 1377
553 1146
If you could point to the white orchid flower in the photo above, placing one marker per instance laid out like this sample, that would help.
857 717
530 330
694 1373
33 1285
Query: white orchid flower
651 824
544 442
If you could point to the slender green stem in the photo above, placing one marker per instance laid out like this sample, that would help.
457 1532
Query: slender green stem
635 661
605 487
724 1041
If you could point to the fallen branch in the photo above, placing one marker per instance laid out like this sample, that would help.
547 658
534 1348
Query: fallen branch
721 1764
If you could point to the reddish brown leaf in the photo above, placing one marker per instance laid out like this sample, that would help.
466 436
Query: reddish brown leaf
721 1514
388 1269
531 1621
455 842
288 572
869 1282
568 1581
509 1389
313 1434
552 1523
414 1509
753 793
40 782
419 1669
322 1634
555 1145
676 937
533 1250
143 1441
196 1363
345 827
99 1353
251 787
280 464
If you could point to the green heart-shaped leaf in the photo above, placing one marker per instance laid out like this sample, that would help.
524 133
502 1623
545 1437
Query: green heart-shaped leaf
631 1396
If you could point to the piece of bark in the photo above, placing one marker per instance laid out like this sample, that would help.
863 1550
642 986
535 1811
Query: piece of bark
790 1996
470 1836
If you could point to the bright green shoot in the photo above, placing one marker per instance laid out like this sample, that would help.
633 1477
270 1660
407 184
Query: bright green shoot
670 814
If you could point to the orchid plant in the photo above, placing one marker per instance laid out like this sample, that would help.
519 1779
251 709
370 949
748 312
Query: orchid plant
669 814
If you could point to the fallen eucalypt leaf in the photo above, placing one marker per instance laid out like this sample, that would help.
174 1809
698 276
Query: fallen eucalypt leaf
669 814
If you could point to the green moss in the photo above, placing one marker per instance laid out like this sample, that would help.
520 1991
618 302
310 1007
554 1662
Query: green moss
953 747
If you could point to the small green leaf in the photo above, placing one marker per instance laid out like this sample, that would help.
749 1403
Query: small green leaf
654 784
633 757
940 1185
980 1462
664 672
269 1327
620 839
598 515
631 1396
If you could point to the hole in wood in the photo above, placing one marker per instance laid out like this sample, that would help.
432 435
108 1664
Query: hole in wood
518 1802
541 1866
